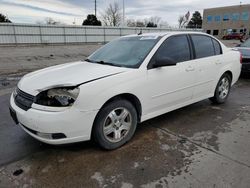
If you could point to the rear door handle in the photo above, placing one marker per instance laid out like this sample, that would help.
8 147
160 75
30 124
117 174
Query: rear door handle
190 68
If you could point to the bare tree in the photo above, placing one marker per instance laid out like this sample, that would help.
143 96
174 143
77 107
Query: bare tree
182 21
164 24
152 21
140 23
155 19
51 21
131 23
112 15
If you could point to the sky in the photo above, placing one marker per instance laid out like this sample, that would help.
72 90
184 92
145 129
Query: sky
69 11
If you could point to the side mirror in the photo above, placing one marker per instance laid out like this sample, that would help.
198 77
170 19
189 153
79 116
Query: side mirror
162 62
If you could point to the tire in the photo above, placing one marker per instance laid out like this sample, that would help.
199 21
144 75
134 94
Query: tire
222 89
119 118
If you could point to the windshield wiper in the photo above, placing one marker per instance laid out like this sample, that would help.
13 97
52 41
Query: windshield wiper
107 63
102 62
89 60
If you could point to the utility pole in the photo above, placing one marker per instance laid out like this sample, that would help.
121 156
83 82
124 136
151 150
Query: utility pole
95 8
123 13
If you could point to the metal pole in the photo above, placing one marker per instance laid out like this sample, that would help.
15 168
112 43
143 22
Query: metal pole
95 7
123 13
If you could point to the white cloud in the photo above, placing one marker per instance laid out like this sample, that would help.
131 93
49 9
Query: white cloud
24 14
67 11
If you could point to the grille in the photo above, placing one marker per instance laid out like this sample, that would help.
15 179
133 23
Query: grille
23 100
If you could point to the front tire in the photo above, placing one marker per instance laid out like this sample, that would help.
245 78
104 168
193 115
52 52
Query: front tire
115 124
222 89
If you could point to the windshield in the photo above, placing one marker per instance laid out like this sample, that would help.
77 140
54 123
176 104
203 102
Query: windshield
246 43
125 52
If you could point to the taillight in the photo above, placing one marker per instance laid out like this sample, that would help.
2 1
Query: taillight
240 57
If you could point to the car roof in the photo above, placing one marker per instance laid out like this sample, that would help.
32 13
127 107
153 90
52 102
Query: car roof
161 34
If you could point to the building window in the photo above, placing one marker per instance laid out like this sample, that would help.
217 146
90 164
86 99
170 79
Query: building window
226 17
209 18
235 16
217 18
245 16
216 32
208 31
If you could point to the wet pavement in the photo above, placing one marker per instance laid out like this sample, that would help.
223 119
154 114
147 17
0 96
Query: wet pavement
201 145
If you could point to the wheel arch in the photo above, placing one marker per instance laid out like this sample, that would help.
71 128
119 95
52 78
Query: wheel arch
229 73
129 97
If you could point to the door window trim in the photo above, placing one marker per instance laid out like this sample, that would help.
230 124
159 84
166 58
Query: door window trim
211 38
191 54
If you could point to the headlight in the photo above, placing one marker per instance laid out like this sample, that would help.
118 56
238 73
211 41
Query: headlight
58 97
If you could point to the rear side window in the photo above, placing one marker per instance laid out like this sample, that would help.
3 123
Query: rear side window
203 46
217 47
175 48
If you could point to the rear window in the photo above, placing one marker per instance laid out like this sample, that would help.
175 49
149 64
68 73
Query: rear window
203 46
217 47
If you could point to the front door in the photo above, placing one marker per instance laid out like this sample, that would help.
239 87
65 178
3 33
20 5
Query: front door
171 86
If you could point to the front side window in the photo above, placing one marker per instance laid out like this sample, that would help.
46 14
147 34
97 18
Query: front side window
203 46
127 52
175 48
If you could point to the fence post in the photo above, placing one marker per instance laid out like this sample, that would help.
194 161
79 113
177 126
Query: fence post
120 32
86 38
104 31
40 32
64 34
14 31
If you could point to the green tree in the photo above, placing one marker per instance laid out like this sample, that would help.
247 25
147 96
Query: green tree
151 24
196 20
4 19
92 20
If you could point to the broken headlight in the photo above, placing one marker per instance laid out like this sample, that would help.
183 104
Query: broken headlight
58 97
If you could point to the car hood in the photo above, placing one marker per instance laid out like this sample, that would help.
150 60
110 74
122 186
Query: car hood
244 51
70 74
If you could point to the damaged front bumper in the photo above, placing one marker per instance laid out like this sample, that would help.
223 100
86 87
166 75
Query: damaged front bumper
54 127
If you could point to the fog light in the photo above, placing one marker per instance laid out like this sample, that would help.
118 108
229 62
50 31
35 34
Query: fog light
44 135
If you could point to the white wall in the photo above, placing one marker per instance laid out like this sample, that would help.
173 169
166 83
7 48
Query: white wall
16 34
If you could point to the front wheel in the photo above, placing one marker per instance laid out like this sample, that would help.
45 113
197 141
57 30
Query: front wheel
115 124
222 89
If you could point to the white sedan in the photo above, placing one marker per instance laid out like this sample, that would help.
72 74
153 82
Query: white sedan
127 81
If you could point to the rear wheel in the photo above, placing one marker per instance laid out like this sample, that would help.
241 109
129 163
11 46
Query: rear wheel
115 124
222 89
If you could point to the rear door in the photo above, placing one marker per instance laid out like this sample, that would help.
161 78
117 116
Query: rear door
208 63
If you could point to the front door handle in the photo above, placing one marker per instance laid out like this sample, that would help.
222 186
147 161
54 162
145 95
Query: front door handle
190 68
